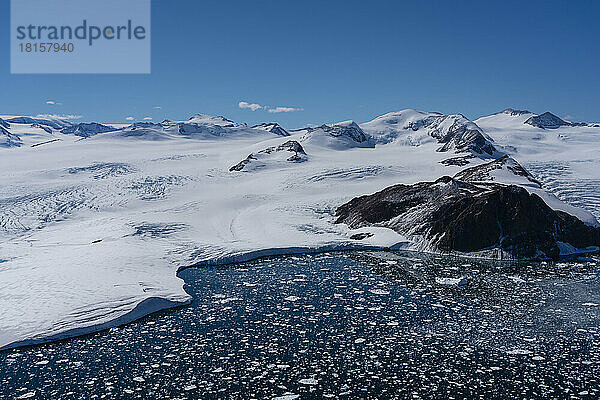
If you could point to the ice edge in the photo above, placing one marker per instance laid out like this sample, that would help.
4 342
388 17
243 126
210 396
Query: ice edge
155 304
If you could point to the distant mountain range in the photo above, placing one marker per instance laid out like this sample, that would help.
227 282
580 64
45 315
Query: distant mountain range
407 127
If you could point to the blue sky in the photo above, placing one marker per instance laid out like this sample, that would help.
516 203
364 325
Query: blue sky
338 60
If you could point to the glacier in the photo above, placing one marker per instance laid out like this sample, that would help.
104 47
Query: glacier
95 226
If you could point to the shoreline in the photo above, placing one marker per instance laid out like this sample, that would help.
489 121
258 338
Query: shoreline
152 305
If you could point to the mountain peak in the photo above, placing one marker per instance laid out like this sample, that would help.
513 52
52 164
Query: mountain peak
346 128
214 120
413 127
546 120
272 127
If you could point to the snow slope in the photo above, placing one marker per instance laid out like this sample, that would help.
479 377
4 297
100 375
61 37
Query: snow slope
564 159
92 231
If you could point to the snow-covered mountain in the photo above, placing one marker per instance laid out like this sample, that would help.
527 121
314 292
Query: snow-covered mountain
546 120
200 126
75 255
205 119
338 136
415 128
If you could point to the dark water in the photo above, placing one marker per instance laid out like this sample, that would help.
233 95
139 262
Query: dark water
346 325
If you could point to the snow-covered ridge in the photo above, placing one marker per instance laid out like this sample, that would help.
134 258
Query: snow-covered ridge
274 157
504 169
53 123
414 128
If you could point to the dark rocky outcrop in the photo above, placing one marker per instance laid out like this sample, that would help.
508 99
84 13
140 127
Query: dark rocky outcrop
450 215
273 128
87 129
4 124
291 146
347 129
459 161
547 120
361 236
351 130
514 112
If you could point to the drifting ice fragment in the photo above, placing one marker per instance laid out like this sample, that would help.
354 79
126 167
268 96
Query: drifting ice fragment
379 291
309 381
451 281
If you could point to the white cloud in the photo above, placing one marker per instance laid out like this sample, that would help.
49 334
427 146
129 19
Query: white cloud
147 118
284 109
157 107
53 103
568 117
253 106
279 109
129 118
59 116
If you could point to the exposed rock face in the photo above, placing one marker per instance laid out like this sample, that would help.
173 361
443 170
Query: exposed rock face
339 136
514 112
450 215
349 129
460 136
460 161
273 128
87 129
546 120
4 124
290 151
